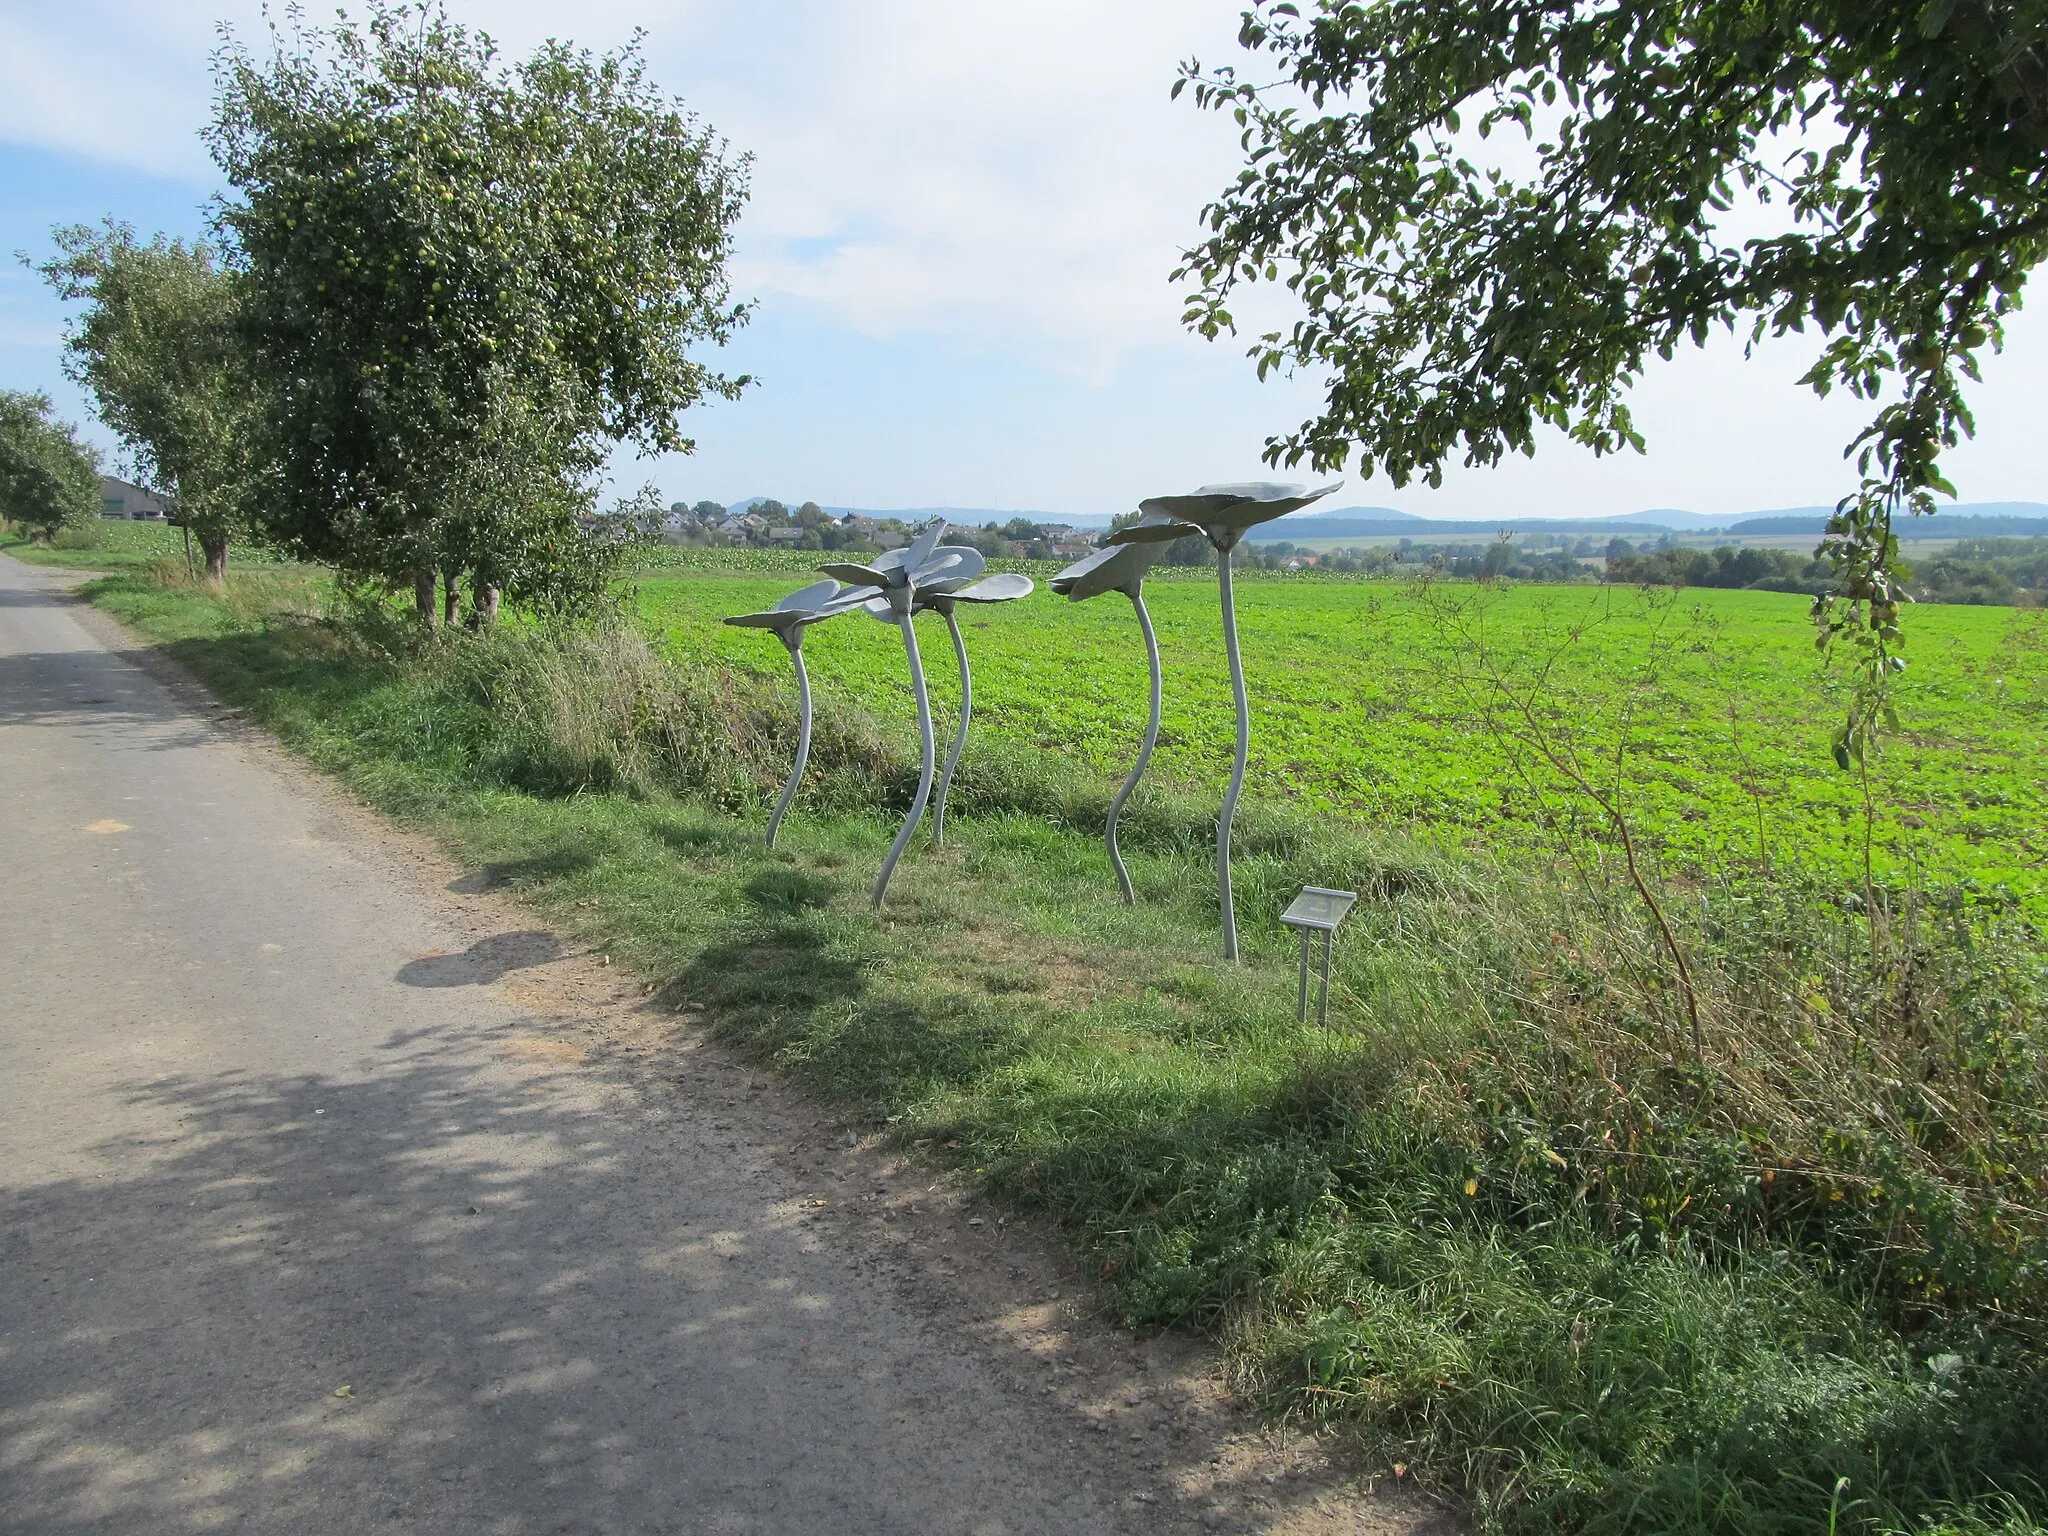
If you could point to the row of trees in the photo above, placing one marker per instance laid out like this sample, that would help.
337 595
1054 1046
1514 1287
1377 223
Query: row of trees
768 524
157 350
49 480
2011 571
1770 570
442 290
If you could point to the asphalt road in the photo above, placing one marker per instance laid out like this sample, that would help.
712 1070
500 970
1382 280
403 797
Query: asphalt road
306 1225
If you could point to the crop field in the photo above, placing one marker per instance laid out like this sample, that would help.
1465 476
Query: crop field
1705 715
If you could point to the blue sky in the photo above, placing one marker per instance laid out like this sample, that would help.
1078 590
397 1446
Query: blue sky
962 224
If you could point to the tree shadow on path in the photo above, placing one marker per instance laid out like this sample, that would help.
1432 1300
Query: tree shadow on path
454 1297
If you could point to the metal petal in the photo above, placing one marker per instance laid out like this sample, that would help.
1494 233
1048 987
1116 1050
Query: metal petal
1113 568
922 546
1005 588
816 595
861 575
849 598
1156 531
1273 499
783 621
965 563
1233 508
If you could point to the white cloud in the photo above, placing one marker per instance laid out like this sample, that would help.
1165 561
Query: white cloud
1010 176
1002 190
108 79
29 333
1015 175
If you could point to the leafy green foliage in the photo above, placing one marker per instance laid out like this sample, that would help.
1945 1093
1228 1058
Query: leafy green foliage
1897 150
48 478
1770 570
1985 571
466 283
160 349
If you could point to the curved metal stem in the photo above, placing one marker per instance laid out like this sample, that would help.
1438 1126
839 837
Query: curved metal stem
803 739
959 736
1244 744
1116 858
929 752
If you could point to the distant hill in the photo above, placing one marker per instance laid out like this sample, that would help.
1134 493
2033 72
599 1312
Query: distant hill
1670 519
972 517
1423 529
1970 519
1985 519
1957 522
1357 514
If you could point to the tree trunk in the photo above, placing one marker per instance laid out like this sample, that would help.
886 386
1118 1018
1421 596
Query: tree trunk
216 559
451 602
486 604
423 596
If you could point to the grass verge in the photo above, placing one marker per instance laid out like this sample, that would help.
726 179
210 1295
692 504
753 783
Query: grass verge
1513 1223
115 544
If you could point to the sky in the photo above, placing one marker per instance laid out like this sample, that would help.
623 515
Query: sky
962 223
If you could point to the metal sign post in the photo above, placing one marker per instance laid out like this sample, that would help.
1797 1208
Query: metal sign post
1317 910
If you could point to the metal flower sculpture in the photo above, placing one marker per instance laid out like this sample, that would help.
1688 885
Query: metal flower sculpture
1222 514
789 619
939 599
1120 568
907 579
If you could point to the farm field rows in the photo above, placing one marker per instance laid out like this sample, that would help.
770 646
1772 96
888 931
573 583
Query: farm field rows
1397 704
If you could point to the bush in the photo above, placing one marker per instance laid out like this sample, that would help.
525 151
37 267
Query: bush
86 535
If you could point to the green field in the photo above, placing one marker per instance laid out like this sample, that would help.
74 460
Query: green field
116 544
1395 705
1392 704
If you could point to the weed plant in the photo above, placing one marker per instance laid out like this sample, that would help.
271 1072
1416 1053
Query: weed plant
1520 1221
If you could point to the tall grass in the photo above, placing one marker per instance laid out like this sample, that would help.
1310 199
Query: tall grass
1517 1223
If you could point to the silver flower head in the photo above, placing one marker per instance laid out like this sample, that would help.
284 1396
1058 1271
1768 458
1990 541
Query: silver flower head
804 607
900 573
1220 513
926 574
788 620
1004 588
941 596
1112 568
